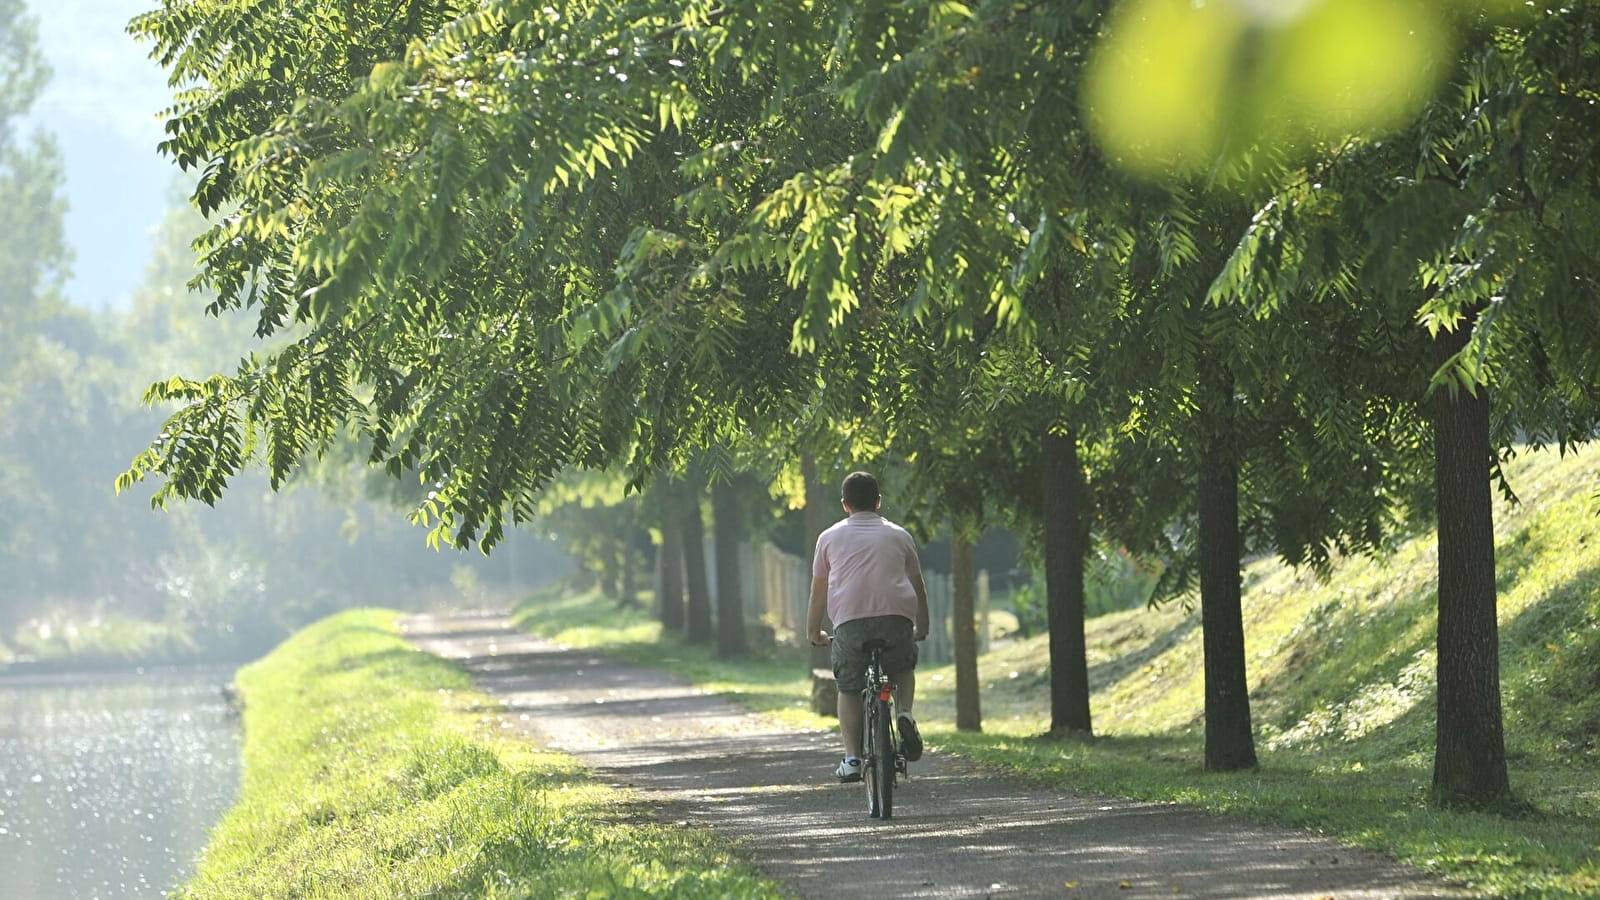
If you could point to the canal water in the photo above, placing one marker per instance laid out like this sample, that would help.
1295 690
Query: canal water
109 783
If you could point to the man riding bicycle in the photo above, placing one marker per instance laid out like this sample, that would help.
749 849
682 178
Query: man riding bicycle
867 578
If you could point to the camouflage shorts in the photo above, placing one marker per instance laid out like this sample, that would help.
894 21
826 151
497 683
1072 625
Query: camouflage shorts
850 661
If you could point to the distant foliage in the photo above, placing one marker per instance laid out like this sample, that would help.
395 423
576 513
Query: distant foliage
1114 581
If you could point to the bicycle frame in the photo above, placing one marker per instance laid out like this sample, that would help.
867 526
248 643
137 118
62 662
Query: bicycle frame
880 743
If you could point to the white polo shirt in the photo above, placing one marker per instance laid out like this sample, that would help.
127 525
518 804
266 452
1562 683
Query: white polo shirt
868 562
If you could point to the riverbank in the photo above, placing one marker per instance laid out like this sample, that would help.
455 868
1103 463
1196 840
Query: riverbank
370 772
104 644
25 669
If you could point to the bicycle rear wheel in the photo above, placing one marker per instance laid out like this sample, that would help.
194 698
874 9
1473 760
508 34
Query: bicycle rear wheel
879 761
869 771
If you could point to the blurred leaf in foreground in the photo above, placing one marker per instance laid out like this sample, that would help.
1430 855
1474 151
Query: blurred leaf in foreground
1186 86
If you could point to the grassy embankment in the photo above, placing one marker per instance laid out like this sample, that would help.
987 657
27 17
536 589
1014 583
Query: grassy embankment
369 771
1342 691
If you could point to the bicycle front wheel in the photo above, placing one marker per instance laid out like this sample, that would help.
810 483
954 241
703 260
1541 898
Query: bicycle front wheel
880 761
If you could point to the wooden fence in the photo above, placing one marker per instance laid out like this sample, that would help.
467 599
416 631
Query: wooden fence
777 588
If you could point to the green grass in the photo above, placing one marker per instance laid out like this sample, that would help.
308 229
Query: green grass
1341 689
370 771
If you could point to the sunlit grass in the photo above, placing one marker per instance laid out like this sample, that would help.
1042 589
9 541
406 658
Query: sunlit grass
1342 695
368 772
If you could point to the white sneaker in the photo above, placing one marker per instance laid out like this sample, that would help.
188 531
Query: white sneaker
849 770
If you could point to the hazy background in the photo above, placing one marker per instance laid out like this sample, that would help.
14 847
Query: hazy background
90 577
103 105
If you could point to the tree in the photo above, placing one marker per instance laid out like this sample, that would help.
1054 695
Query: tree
818 502
1460 221
479 263
964 635
33 260
34 256
670 605
691 522
1509 170
1470 753
601 525
466 351
1066 532
1230 744
728 531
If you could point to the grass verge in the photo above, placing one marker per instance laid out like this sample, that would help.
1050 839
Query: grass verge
1341 690
369 772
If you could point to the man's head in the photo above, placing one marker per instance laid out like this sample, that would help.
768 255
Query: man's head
860 492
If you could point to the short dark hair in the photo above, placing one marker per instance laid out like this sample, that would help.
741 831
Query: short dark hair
860 492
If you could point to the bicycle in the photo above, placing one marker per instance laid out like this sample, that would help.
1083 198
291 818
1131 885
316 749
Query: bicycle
881 759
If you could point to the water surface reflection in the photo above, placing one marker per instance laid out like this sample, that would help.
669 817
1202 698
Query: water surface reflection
109 783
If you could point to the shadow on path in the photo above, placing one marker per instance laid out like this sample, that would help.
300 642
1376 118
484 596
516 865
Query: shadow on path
695 759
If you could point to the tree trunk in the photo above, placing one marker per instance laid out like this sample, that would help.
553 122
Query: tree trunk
727 530
697 627
1065 543
1469 759
824 695
640 553
1229 743
669 577
964 637
609 547
628 577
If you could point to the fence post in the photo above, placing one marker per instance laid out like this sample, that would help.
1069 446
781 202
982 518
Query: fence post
938 648
750 583
781 592
766 585
799 594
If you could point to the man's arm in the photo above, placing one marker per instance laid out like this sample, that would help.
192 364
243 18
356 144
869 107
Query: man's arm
818 609
919 628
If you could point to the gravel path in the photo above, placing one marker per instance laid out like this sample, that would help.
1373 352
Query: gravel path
699 760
